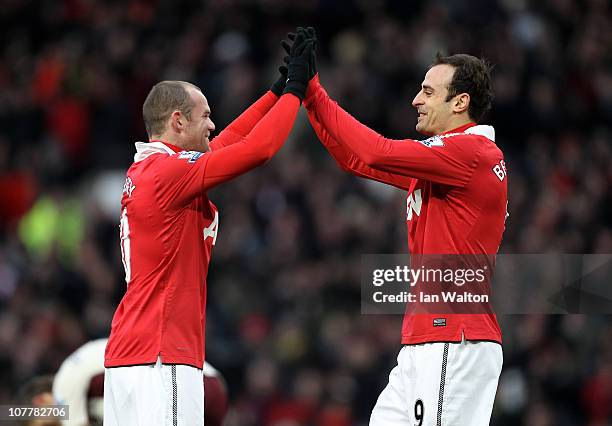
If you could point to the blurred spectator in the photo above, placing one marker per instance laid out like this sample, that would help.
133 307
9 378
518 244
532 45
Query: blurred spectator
37 393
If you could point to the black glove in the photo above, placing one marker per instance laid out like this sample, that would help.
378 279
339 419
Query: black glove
298 68
279 85
309 32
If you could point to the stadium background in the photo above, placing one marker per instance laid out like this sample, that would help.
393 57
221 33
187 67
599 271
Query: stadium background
284 324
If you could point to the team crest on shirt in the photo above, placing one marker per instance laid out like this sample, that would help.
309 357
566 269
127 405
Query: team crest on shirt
190 156
432 141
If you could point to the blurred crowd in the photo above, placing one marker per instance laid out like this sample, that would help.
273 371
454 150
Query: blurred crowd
284 321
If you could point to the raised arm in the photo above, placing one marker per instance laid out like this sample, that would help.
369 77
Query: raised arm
184 176
256 148
245 122
351 163
411 158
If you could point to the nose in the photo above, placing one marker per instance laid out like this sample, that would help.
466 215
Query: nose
417 100
211 126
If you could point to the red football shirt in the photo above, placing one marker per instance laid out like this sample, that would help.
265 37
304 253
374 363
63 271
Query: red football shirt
169 227
456 203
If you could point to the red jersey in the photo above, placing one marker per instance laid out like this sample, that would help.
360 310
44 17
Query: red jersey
456 203
168 230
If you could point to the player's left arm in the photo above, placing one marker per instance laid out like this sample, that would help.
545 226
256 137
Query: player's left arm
446 161
183 176
238 129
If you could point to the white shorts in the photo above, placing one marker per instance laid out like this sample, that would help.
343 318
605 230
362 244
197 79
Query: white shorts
153 395
441 384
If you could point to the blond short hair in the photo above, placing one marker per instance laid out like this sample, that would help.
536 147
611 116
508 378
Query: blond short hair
163 99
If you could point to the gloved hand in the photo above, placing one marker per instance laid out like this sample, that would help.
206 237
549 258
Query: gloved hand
300 52
279 85
309 32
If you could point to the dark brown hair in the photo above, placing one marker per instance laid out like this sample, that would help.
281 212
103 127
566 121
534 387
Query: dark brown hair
472 76
34 387
163 99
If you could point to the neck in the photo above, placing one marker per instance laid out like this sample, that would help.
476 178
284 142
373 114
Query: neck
166 142
456 122
168 139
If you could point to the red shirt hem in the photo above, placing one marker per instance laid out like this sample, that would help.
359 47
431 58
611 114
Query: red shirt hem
152 359
454 337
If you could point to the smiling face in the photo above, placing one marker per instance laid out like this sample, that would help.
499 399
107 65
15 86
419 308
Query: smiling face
177 112
198 127
437 114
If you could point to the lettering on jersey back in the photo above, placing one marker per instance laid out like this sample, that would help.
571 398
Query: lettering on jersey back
500 170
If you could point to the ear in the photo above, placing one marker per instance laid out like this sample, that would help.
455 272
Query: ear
177 121
461 103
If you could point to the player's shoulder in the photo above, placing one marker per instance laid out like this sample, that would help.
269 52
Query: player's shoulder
179 159
91 350
154 165
479 132
188 156
97 346
479 138
148 153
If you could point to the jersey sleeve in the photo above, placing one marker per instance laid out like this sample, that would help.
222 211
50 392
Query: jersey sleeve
444 160
186 175
245 122
351 163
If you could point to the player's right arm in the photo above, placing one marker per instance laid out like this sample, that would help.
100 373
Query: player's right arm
187 175
184 176
245 122
350 162
449 163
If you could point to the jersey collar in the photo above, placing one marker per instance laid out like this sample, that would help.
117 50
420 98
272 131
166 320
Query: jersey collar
474 129
145 149
460 129
169 145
